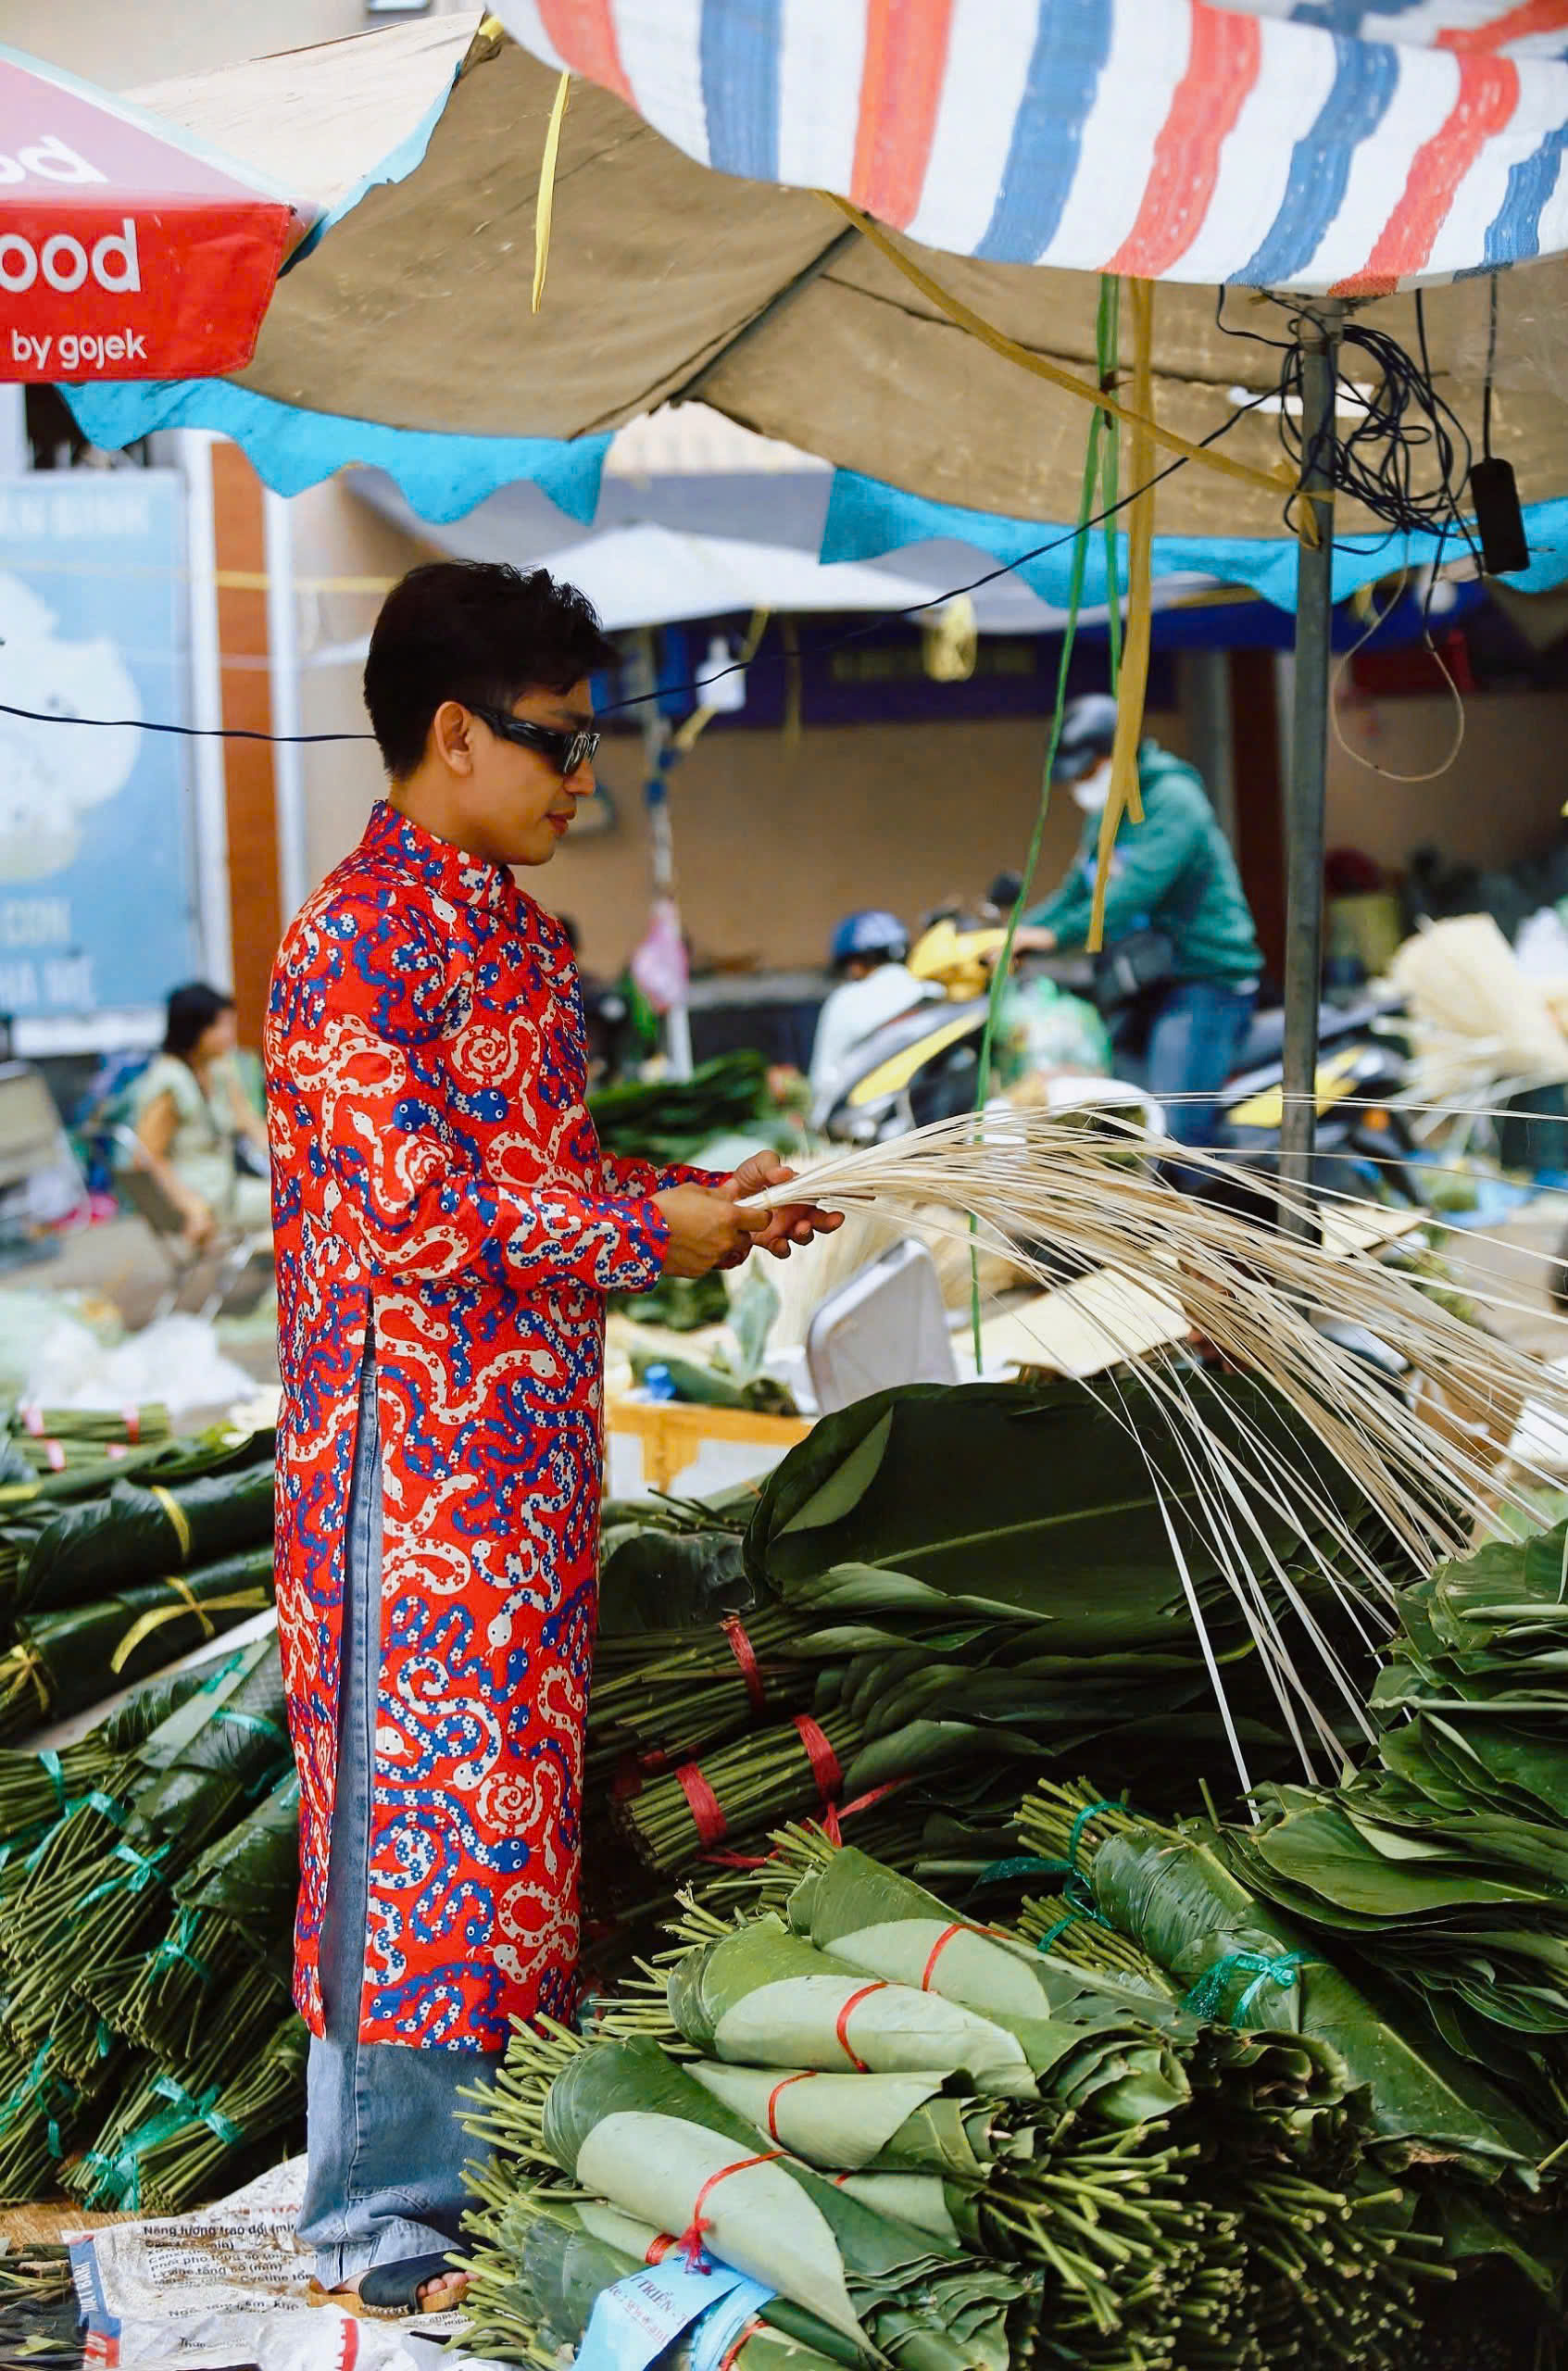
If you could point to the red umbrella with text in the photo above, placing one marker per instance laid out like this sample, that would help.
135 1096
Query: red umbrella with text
128 250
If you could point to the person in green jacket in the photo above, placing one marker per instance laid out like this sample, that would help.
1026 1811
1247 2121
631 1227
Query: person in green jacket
1174 873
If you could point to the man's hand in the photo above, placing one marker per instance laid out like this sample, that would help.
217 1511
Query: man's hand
796 1222
706 1229
1030 940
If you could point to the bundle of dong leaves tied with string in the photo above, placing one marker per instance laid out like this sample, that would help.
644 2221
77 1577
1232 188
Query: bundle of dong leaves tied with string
936 1589
52 1441
104 1579
858 2086
1421 1902
187 1838
1474 2153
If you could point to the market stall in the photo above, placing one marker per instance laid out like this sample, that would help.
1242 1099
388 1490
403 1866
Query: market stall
1176 2089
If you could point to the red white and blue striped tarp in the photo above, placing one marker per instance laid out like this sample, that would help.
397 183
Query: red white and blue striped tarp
1289 144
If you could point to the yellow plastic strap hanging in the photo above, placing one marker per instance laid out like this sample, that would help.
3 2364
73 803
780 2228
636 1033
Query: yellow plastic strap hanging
544 212
176 1514
1133 683
1272 481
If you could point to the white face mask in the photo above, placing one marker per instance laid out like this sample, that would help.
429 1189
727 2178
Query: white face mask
1094 789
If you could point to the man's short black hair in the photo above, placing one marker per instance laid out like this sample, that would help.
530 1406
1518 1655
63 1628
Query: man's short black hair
478 632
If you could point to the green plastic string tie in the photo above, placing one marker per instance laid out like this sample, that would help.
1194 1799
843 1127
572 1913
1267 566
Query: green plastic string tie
1089 1811
257 1722
57 1776
1055 1933
175 1951
1281 1968
104 2037
32 2093
230 1664
144 1868
113 1812
200 2110
1001 1873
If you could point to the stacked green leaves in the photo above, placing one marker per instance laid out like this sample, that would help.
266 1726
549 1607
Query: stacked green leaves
626 2124
140 1530
1434 1880
228 1943
1470 2157
952 1587
54 1438
170 2144
37 1788
113 1571
542 2261
1017 1570
669 1120
187 1839
63 1661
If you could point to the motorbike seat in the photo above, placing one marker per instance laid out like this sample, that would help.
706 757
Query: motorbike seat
1264 1042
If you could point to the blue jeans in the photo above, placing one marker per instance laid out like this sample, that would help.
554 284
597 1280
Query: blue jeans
385 2146
1193 1039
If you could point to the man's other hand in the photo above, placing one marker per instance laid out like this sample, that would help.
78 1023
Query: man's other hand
706 1230
795 1222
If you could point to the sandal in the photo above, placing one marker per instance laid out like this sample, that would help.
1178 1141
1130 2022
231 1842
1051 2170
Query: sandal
389 2288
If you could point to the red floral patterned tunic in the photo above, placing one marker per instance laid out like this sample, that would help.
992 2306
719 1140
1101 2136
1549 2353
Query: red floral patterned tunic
436 1172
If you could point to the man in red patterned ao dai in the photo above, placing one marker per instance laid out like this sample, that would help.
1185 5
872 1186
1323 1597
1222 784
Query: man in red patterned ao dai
446 1230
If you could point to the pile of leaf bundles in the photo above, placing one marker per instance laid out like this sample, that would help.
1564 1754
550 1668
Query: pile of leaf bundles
142 1530
1268 1309
52 1439
542 2260
1012 1570
1439 1872
624 2123
63 1661
1179 1896
1323 2251
98 1889
37 1788
669 1120
170 2143
235 1914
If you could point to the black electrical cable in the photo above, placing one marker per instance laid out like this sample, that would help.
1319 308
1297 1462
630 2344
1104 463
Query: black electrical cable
696 688
1491 367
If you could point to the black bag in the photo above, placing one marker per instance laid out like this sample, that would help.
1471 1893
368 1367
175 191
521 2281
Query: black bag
1134 970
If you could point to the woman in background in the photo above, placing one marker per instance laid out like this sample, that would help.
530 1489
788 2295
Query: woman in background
201 1132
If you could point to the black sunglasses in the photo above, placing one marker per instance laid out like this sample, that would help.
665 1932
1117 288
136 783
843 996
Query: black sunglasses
566 751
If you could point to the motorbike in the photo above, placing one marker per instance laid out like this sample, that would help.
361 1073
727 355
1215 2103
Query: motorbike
924 1066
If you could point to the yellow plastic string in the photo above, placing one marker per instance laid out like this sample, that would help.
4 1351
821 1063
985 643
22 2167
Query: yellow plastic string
143 1627
1133 683
1272 481
176 1514
544 212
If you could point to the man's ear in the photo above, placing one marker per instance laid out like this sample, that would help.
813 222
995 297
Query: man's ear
451 737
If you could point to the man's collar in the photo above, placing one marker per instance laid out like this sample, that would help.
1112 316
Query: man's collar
450 871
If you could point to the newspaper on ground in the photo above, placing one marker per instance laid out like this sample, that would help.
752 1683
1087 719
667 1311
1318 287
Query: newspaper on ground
229 2287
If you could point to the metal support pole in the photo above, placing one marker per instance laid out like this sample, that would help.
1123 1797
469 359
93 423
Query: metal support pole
288 758
1309 759
656 736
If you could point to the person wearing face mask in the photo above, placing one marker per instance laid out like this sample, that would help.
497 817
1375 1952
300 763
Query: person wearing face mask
1174 887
